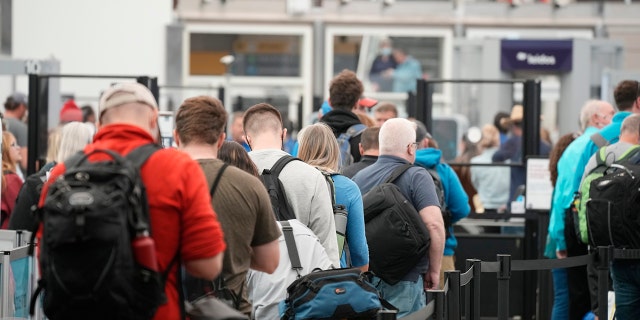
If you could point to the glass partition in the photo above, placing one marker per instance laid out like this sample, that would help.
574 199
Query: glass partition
389 60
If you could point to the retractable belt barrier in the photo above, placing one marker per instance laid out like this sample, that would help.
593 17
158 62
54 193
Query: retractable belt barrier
445 303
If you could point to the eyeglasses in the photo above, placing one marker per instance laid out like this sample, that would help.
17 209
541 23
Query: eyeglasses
415 144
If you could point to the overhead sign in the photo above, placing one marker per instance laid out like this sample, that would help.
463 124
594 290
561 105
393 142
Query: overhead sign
550 55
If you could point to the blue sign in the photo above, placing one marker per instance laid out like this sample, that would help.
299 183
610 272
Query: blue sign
549 55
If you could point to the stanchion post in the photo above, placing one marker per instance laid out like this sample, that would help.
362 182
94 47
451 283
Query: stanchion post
472 292
6 266
504 275
38 119
424 103
221 92
154 88
602 264
453 296
438 299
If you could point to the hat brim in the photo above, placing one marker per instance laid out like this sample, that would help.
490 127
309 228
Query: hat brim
367 102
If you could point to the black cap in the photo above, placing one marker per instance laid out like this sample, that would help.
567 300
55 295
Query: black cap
421 131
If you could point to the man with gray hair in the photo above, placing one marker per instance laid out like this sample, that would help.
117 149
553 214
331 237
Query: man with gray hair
600 131
629 137
397 148
596 113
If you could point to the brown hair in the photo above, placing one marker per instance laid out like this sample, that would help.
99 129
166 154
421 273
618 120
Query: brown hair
557 152
345 90
369 138
234 154
319 147
626 94
386 107
200 119
260 118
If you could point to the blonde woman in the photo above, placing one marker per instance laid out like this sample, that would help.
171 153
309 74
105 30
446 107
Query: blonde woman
64 141
319 148
11 181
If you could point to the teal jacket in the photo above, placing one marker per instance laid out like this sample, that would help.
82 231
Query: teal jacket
456 199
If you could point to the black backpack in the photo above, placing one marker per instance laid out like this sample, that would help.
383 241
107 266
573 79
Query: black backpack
396 235
612 210
91 216
281 207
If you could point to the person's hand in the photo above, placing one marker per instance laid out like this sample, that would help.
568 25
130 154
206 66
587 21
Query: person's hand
388 73
561 254
431 280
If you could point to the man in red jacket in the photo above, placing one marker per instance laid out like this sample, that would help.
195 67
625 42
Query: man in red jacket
182 219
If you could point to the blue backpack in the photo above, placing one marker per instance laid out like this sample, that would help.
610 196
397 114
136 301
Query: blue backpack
345 147
328 294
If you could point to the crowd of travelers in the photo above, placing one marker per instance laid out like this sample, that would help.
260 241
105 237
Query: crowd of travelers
216 223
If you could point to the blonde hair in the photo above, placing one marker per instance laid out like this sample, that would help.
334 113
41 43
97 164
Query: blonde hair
7 163
53 144
366 120
74 137
319 147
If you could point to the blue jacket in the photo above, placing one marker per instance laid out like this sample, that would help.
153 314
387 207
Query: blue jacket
456 199
512 150
348 194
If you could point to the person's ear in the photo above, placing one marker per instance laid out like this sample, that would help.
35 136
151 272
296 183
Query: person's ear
221 139
176 138
153 120
361 149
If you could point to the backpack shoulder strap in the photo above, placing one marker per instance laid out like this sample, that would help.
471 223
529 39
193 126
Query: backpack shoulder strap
601 156
292 248
355 130
139 155
629 152
217 180
434 173
599 140
74 160
280 164
332 186
397 172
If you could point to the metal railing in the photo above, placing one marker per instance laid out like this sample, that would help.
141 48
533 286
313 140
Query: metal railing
446 303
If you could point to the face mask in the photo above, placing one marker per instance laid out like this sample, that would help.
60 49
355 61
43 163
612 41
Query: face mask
385 51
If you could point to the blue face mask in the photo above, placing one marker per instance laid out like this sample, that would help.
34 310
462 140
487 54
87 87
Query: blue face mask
385 51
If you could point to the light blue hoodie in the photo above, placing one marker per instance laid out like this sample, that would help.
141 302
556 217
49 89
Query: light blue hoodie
454 195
